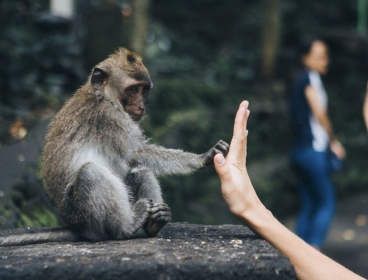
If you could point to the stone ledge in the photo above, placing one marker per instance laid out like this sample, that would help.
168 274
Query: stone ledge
181 251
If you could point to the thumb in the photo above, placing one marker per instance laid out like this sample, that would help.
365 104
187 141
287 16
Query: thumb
222 167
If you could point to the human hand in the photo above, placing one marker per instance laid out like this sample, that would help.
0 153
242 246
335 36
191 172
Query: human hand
236 186
337 149
243 201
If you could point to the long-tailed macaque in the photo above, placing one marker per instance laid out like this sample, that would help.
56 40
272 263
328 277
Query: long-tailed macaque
99 169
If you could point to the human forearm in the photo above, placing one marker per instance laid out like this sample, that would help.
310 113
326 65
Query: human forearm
308 262
322 117
318 112
335 145
325 122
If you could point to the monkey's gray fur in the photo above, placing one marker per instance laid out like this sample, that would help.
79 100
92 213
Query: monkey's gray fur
99 169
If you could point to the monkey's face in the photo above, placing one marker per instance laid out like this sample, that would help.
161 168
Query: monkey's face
124 78
134 98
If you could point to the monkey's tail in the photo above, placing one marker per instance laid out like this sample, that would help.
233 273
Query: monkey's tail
36 235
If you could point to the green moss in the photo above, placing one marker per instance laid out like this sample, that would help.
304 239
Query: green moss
38 217
6 212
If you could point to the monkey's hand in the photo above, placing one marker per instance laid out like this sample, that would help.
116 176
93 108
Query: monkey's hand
220 147
159 216
141 211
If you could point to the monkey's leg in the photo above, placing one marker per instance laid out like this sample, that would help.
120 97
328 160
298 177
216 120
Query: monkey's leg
97 206
145 185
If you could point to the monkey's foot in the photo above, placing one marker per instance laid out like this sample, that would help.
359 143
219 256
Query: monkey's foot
159 216
141 211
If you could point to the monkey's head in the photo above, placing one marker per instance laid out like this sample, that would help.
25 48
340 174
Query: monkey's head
124 79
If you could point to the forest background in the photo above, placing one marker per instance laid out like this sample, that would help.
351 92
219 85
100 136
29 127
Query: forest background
205 57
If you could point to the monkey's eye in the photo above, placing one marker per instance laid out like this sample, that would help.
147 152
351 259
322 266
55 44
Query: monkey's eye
134 89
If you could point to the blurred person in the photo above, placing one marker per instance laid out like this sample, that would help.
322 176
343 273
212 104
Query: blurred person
365 108
315 149
242 200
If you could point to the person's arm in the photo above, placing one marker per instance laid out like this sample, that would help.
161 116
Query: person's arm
243 202
319 113
322 116
365 108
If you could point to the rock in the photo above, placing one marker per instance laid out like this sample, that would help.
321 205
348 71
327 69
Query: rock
181 251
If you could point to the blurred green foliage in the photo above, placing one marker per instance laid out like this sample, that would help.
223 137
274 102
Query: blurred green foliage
39 61
210 60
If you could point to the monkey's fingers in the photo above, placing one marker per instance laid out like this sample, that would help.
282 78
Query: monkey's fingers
161 216
216 151
157 207
141 213
162 213
223 147
220 147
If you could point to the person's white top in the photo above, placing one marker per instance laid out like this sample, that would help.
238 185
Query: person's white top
320 136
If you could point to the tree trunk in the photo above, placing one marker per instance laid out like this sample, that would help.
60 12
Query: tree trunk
270 36
140 22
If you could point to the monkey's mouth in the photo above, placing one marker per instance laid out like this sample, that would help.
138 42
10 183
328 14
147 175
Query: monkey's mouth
134 111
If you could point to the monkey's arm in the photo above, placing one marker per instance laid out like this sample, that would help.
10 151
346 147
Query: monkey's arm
171 161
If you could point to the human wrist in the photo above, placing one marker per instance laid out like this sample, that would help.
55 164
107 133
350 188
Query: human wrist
257 217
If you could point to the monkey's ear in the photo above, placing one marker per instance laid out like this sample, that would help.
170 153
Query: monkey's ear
98 77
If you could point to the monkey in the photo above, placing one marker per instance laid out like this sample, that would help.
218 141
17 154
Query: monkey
99 169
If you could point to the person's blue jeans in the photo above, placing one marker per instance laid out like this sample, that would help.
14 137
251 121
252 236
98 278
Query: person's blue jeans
316 193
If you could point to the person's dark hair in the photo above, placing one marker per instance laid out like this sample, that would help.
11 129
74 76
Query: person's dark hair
305 45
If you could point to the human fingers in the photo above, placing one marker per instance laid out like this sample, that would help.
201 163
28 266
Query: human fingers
238 143
338 149
222 168
341 151
245 104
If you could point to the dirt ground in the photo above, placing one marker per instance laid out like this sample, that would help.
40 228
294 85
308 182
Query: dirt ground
347 242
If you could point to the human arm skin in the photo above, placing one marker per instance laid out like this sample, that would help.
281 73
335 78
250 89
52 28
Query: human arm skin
365 108
322 117
242 200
